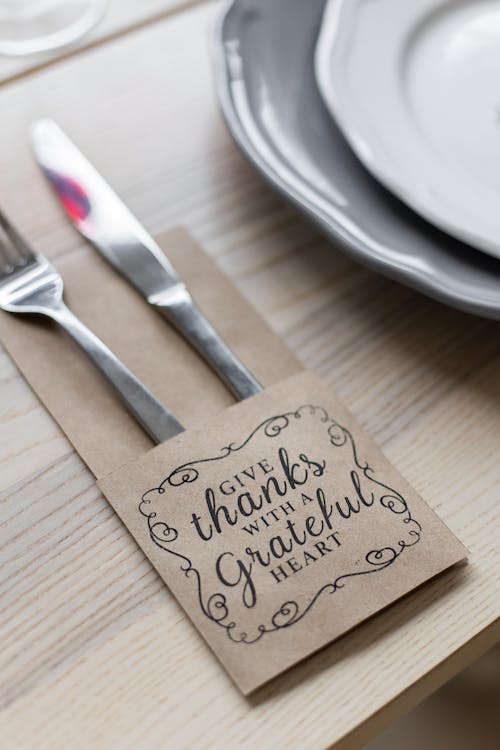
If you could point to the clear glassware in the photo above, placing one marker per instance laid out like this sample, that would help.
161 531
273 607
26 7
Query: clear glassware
31 26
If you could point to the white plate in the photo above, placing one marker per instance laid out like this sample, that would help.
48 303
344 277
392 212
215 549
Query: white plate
264 65
415 87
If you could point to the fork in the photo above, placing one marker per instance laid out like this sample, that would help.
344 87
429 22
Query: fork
30 284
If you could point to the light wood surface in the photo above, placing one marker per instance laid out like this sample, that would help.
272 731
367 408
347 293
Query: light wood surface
461 715
94 651
120 17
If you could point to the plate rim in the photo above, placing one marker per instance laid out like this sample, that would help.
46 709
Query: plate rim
372 157
432 286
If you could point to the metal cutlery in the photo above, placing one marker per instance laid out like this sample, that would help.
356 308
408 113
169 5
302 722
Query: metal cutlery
30 284
98 213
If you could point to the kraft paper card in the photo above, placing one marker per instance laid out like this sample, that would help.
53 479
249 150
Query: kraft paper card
279 526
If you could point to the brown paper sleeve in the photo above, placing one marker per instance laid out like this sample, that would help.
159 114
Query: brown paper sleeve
85 407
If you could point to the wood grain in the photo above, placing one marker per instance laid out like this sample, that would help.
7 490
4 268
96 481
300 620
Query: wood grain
95 653
121 17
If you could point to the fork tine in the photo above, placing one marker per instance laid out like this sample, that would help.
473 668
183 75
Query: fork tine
22 249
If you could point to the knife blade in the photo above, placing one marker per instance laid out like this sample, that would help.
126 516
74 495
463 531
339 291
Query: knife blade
99 215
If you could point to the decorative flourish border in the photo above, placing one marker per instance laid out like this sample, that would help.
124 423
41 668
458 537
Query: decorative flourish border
215 607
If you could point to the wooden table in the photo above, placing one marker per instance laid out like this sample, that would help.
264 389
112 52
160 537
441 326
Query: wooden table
94 652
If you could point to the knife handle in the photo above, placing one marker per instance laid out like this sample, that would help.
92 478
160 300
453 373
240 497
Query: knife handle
180 310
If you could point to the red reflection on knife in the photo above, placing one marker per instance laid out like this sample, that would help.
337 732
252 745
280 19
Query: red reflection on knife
72 196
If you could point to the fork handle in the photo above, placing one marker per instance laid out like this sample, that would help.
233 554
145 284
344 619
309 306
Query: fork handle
159 423
182 312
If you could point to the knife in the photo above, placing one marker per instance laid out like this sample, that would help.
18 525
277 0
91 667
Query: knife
100 216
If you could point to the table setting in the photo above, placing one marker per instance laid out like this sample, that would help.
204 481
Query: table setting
249 475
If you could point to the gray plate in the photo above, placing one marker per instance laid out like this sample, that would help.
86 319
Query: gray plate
265 79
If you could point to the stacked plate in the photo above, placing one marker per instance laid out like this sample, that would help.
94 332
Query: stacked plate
379 119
